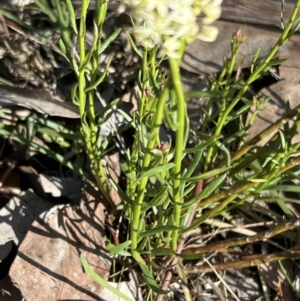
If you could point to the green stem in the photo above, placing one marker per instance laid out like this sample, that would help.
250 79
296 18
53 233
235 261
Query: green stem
81 79
157 121
88 125
135 155
179 147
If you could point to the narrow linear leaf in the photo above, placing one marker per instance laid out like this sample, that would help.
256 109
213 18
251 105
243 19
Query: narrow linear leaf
122 194
162 252
155 170
134 46
289 188
85 62
62 46
121 247
96 37
101 281
258 180
206 175
97 82
255 57
225 151
109 40
158 200
72 16
128 173
157 230
276 62
61 159
212 186
151 282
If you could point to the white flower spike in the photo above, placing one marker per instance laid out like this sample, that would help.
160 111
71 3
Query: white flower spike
163 23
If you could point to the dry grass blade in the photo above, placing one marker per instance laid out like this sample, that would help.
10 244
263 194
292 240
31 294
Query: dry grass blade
263 236
246 261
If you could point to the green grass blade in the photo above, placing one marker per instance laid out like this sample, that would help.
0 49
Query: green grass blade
101 281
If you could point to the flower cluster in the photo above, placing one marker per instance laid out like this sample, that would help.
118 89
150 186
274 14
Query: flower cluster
165 22
20 3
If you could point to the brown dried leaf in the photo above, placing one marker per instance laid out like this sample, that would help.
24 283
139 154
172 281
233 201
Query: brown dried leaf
48 264
256 11
205 58
279 93
39 100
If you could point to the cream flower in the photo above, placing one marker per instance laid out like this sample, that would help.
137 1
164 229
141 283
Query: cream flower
208 34
171 47
164 23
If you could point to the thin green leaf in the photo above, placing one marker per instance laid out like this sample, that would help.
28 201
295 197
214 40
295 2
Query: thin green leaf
255 57
97 82
150 280
276 62
72 16
108 107
200 147
74 93
115 250
61 14
158 230
61 159
134 46
226 152
155 170
86 61
129 175
96 39
62 46
158 200
109 40
101 281
206 175
282 204
286 188
121 193
258 180
75 66
43 7
282 138
212 187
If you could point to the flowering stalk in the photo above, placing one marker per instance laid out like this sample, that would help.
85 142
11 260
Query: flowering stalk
180 145
167 26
